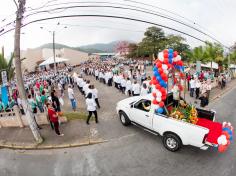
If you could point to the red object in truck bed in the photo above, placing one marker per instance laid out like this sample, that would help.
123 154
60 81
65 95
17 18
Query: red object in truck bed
215 129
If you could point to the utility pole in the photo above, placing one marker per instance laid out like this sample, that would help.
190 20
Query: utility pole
20 83
54 54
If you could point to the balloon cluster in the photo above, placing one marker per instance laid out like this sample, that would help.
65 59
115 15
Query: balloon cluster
167 60
226 137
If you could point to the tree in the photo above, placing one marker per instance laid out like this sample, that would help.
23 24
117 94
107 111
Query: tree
154 40
214 53
197 54
177 43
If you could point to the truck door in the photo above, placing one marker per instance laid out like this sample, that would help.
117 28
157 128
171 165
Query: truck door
141 113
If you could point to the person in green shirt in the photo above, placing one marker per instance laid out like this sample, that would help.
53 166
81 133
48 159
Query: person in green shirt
41 88
44 98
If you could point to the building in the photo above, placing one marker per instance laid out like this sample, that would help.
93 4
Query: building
31 58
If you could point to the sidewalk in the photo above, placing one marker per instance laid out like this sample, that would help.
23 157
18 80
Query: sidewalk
214 94
77 133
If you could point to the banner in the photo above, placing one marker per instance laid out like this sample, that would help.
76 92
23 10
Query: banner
4 94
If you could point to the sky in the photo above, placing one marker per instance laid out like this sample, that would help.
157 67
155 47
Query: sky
215 17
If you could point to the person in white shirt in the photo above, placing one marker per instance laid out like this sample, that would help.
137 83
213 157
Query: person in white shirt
192 86
94 91
144 90
118 80
176 95
60 88
198 85
83 83
136 89
122 85
115 81
128 86
71 96
91 107
208 89
86 87
96 74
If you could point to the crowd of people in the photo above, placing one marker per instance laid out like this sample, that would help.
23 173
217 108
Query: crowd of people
46 90
129 78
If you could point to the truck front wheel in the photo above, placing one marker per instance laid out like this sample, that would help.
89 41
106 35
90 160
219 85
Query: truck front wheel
124 118
172 142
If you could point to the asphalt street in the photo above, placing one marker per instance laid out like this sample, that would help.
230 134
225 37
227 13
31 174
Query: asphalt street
129 151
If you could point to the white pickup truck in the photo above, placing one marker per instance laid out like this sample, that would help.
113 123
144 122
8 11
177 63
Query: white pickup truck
175 133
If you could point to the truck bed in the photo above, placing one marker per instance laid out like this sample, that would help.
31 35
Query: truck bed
209 115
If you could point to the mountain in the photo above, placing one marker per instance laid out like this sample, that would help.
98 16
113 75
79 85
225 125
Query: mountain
105 47
60 46
93 48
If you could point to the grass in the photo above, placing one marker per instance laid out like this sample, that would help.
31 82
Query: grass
77 116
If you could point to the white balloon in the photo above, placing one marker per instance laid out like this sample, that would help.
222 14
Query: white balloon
158 99
164 67
158 93
224 123
161 56
222 140
178 58
229 124
156 106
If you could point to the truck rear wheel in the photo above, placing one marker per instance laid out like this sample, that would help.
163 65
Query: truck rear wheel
172 142
124 118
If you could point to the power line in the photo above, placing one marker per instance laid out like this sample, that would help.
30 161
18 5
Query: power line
127 8
110 16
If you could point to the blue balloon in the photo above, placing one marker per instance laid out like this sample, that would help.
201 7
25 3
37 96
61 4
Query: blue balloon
231 138
228 130
159 78
170 61
171 50
154 69
156 74
160 110
156 111
170 55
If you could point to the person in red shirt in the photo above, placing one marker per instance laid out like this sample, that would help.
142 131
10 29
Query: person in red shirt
53 117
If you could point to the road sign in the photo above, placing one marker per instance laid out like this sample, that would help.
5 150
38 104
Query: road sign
4 77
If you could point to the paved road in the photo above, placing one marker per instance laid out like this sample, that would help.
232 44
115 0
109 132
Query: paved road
130 151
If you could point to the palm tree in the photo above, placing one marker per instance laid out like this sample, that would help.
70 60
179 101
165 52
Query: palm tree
197 54
214 53
7 65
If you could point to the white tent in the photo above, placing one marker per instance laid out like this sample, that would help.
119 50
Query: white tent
50 60
208 65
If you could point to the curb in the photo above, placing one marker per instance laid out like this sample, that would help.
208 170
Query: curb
219 95
44 147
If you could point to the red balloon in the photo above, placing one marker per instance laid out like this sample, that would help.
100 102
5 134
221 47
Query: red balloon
154 82
166 51
166 61
158 86
166 55
169 66
163 98
181 75
222 148
175 53
165 79
154 94
154 101
150 82
161 104
153 78
160 70
226 134
158 65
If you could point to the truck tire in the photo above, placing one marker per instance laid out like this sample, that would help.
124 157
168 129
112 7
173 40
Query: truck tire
124 118
171 142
